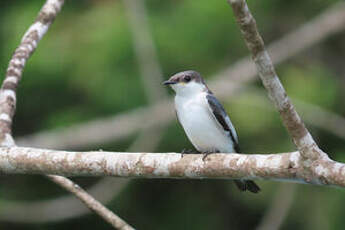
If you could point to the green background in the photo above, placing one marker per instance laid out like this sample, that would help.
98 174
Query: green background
85 68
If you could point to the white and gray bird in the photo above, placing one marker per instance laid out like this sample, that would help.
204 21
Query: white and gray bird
204 119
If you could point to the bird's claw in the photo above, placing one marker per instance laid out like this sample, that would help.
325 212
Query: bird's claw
186 151
207 153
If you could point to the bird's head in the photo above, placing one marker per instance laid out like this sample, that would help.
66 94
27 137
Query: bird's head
187 83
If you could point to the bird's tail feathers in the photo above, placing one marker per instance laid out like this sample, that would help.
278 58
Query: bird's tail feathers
249 185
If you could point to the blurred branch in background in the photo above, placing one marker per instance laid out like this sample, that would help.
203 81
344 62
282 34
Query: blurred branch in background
113 128
313 114
279 208
331 21
60 208
322 118
145 50
27 46
150 70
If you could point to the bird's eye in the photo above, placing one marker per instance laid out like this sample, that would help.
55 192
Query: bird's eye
187 78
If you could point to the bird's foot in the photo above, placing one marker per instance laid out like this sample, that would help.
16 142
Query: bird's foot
207 153
187 151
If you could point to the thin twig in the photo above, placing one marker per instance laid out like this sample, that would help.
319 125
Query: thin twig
91 203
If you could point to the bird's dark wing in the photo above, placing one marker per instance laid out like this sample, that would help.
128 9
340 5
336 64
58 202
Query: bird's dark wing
223 119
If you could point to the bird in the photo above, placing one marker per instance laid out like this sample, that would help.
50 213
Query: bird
204 119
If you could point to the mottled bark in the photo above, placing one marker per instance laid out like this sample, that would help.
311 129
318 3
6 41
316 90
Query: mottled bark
285 166
15 68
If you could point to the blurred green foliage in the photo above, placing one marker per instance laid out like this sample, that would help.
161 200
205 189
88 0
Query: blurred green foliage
85 68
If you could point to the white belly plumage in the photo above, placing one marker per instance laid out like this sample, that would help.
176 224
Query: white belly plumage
202 129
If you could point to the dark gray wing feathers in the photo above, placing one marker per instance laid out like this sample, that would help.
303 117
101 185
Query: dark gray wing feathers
220 114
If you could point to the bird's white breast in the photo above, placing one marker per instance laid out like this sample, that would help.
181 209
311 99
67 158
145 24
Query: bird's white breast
201 127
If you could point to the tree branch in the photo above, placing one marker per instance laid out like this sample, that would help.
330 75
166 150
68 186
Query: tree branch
295 126
91 203
285 166
15 68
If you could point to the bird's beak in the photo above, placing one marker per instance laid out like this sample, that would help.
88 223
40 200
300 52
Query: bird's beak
169 82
